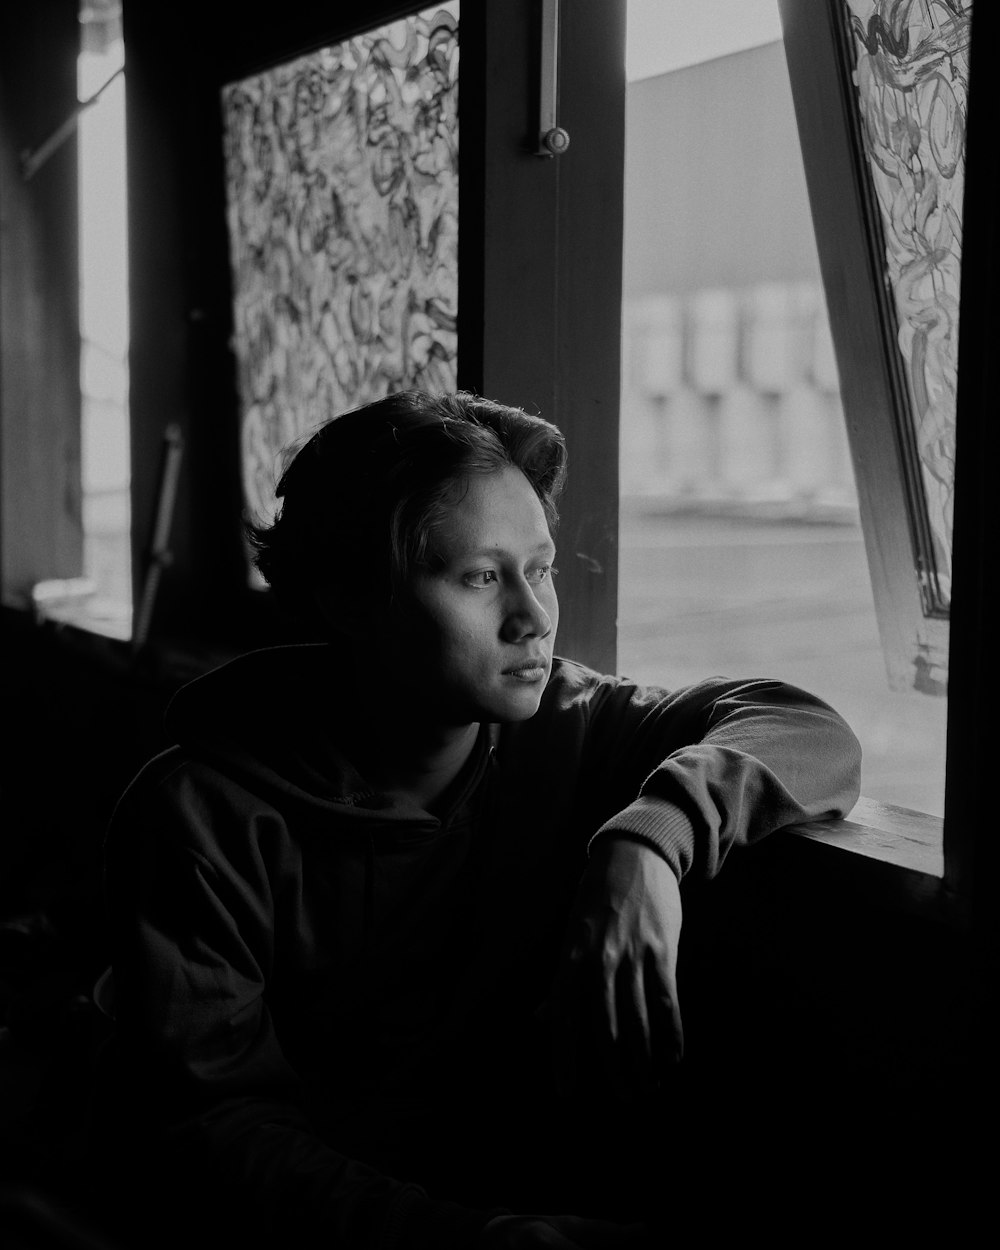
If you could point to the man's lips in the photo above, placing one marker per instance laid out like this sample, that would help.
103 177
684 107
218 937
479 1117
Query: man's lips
530 669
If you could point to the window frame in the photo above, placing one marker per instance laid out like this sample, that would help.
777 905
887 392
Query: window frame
534 244
848 239
965 892
970 846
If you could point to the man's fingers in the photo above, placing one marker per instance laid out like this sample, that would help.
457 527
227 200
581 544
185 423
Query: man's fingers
622 1029
635 1024
635 1044
665 1024
607 979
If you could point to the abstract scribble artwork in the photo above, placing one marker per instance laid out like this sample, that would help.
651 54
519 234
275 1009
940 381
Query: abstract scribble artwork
342 205
912 75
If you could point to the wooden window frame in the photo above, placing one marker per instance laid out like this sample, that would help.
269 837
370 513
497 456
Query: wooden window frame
539 281
849 241
943 868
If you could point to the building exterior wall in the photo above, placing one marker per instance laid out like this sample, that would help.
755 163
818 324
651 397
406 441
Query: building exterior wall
730 393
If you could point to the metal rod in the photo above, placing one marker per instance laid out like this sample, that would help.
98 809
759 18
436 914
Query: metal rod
552 139
32 161
159 556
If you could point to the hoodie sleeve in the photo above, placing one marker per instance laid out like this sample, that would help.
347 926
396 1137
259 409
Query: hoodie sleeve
191 949
716 765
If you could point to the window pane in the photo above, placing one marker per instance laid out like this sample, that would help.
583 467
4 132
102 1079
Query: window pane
742 550
342 186
104 327
911 74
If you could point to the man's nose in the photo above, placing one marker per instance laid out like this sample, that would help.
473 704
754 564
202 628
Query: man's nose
525 616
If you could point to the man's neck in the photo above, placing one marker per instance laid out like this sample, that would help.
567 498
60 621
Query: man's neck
416 762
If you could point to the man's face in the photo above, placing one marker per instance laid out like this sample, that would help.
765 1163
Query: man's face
475 643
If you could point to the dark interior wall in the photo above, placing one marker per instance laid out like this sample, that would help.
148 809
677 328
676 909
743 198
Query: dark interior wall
40 531
84 719
841 1024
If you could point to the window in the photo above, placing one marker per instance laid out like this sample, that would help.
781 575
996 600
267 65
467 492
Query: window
71 559
104 323
342 198
749 543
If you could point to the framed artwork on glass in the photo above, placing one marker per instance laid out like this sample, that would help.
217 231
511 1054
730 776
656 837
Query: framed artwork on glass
341 170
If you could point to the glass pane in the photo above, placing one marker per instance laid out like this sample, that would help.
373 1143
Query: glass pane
342 192
742 552
104 328
912 78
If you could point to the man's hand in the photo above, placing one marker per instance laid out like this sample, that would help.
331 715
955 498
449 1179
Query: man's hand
617 983
559 1232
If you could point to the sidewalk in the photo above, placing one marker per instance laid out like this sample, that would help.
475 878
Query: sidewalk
742 595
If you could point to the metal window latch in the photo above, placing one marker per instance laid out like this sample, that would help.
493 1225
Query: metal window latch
552 139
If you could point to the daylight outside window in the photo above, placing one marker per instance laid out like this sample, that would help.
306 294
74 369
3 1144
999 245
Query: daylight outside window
104 322
742 552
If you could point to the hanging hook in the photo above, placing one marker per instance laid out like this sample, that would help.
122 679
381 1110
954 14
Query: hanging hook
552 139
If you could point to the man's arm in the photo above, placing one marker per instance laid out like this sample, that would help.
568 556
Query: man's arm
698 772
718 765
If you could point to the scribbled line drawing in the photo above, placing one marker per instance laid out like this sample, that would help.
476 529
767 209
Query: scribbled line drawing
912 79
342 206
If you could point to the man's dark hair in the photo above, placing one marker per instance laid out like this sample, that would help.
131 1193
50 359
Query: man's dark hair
360 500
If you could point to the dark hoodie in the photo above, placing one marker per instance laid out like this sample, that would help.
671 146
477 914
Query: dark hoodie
328 998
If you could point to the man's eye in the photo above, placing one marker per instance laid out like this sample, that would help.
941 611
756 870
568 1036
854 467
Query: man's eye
481 579
543 573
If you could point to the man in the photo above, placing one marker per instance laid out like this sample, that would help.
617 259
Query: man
395 921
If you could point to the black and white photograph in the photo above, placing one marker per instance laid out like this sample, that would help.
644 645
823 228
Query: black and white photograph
497 515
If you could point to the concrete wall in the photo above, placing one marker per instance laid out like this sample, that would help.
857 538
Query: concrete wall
715 194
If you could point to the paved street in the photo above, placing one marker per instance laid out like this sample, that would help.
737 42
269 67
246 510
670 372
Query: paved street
701 596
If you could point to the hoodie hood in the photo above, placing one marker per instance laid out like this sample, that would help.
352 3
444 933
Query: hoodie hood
281 722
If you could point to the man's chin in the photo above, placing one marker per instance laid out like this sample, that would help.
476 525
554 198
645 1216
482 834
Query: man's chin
517 707
506 705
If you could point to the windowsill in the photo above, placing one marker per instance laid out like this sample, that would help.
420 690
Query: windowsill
889 853
884 832
74 601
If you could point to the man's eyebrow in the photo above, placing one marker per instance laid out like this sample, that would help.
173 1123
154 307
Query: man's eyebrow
472 553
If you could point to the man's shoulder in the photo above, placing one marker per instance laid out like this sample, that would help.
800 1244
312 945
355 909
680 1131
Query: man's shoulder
574 673
571 682
179 791
576 691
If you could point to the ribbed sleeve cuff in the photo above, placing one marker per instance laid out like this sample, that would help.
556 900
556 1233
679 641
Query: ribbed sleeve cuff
660 825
